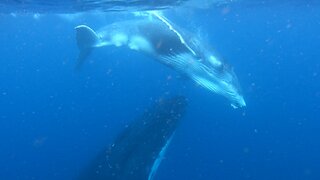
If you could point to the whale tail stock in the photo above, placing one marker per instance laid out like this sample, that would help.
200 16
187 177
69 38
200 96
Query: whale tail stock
86 40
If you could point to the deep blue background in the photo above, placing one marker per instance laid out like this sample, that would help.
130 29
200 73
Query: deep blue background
53 120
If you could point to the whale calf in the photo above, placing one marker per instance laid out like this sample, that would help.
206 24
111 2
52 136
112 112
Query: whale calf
156 36
137 152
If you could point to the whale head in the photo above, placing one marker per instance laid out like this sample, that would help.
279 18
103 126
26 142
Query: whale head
232 88
218 77
226 81
210 73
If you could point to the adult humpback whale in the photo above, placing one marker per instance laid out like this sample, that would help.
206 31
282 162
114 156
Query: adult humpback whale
138 150
154 35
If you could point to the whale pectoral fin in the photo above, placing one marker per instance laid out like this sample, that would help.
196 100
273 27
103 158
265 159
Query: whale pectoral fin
86 40
82 57
86 37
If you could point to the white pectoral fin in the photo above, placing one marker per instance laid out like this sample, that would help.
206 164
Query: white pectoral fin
86 40
86 37
83 54
159 158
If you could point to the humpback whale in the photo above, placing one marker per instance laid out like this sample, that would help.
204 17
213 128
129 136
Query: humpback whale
138 150
169 44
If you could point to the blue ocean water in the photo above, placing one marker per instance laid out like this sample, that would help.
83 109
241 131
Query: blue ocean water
54 120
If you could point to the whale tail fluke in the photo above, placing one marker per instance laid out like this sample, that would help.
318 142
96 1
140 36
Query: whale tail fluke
86 40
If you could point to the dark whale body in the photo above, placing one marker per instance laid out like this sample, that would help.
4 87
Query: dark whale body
137 151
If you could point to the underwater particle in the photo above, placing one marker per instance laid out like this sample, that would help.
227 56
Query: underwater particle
13 15
289 26
109 71
225 11
314 74
246 150
36 16
39 142
307 172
